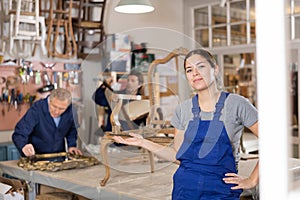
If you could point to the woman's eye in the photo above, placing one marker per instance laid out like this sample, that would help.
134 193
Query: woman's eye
200 66
188 70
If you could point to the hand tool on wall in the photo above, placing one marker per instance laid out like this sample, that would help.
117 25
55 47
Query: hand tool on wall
28 67
12 81
12 100
76 78
37 77
48 66
71 75
65 78
60 80
25 71
5 93
55 79
48 87
2 101
2 79
19 98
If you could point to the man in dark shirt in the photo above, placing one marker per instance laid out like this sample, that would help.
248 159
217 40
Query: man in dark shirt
134 86
46 125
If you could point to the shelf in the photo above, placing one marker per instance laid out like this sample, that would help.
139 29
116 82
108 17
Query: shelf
9 115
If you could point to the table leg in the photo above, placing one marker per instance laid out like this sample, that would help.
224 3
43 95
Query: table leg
32 190
105 141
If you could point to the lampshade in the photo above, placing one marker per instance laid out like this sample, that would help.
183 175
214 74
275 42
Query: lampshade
134 6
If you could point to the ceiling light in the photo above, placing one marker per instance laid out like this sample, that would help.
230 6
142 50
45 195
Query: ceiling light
134 6
222 3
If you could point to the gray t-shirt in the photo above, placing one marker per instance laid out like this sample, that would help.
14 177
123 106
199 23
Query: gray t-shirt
237 113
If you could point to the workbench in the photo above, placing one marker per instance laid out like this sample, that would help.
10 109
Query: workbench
123 184
86 182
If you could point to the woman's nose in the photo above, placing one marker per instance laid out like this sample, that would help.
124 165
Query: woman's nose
196 71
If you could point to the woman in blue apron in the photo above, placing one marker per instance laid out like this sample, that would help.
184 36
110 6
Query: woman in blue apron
208 128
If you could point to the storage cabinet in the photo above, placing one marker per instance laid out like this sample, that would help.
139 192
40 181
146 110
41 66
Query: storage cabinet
3 153
8 151
12 152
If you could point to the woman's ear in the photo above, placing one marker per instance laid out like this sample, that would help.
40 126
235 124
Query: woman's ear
217 69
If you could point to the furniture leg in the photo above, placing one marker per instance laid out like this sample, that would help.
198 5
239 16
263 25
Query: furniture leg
32 190
43 35
104 144
151 157
11 34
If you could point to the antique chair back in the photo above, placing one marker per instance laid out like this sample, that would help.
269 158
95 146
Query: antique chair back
155 125
26 24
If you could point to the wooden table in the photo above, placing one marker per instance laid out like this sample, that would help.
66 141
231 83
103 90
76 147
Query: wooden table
86 182
141 185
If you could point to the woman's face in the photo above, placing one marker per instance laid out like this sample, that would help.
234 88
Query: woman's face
199 72
132 83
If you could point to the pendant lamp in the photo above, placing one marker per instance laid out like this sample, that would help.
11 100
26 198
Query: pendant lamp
134 6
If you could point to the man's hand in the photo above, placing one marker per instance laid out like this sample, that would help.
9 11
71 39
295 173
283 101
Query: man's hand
75 150
28 150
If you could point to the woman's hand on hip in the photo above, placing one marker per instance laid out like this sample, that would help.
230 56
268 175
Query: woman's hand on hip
240 181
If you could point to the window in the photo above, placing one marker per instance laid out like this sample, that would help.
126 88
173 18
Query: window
294 12
233 24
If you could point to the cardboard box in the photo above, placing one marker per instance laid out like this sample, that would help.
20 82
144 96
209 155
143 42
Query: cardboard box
12 189
52 193
56 196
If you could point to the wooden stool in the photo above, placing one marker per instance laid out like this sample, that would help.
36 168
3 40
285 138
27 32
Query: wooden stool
4 21
59 23
89 23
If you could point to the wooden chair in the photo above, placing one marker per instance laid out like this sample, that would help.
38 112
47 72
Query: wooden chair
26 25
89 25
59 23
155 125
4 23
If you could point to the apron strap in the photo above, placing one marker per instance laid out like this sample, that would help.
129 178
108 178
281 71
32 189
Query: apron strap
191 128
219 105
196 107
215 128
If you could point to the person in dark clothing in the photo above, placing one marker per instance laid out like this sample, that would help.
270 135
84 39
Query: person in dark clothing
46 125
134 86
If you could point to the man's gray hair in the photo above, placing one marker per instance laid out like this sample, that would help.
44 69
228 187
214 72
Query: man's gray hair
61 94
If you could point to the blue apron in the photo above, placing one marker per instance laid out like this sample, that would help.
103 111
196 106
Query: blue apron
205 156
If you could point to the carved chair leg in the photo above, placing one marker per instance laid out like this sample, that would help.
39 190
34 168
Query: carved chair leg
151 157
104 144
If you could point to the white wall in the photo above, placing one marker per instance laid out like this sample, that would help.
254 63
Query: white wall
167 14
156 28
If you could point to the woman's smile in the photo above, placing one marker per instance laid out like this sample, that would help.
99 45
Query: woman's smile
197 79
